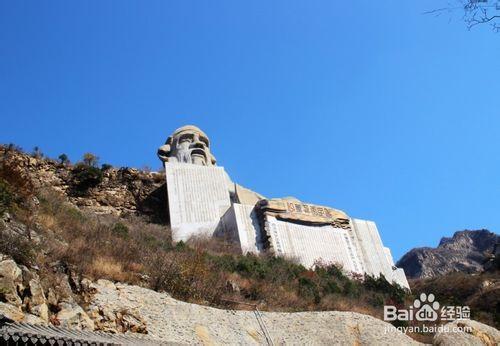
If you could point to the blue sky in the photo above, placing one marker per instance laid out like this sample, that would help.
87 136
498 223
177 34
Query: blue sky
366 106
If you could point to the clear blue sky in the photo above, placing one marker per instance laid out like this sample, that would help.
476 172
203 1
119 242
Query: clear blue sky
366 106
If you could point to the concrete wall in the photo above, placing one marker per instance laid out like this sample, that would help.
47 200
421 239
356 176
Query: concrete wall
309 244
377 258
198 196
240 224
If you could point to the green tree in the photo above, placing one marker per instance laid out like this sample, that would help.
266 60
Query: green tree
106 167
85 177
37 153
64 159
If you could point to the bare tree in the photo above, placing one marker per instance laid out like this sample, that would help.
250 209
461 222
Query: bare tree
473 12
90 159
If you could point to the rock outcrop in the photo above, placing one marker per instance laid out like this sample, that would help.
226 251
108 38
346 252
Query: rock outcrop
121 191
174 321
466 251
119 308
23 299
11 282
467 332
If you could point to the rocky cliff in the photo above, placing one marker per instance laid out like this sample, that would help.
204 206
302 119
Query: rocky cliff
466 251
119 191
54 255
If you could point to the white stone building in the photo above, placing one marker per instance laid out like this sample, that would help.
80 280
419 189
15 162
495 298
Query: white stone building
203 200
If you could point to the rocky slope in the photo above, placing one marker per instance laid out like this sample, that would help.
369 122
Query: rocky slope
64 251
118 308
122 191
466 252
125 308
175 321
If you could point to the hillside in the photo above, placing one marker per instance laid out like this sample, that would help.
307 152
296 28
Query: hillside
64 227
83 221
481 292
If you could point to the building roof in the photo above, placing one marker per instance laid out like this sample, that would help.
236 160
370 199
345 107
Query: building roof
26 333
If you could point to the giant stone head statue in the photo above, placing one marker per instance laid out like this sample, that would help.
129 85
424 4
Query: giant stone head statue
187 144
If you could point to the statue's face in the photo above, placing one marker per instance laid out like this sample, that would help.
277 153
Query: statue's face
185 143
189 146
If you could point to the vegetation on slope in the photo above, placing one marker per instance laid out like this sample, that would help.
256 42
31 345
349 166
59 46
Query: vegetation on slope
56 234
481 292
206 271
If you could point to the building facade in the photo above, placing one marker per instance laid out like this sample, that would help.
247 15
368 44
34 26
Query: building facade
203 200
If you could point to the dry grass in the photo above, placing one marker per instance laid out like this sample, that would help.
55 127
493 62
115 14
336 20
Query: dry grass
109 268
460 289
204 270
99 247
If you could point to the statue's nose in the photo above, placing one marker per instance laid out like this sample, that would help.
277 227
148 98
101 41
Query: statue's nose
198 144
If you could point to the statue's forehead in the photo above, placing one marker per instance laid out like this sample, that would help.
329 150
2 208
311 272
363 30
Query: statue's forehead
189 129
190 134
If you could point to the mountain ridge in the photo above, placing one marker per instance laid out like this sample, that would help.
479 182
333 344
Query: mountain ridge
466 251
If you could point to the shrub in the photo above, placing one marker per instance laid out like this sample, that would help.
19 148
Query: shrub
109 268
6 197
250 265
105 167
37 153
18 181
380 284
331 287
120 230
18 247
188 276
13 147
86 177
308 289
351 289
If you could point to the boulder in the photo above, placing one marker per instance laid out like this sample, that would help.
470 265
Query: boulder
467 332
11 282
16 314
72 315
112 318
36 302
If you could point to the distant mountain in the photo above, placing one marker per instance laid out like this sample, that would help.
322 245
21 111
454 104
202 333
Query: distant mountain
465 252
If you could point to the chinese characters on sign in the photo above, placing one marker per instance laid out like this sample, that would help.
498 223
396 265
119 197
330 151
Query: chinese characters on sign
309 209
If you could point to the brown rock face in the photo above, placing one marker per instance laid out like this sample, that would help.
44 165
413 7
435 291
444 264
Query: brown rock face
120 192
22 293
11 282
36 302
